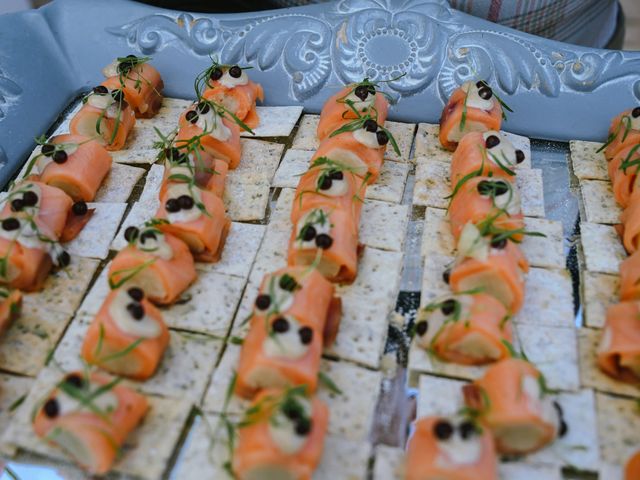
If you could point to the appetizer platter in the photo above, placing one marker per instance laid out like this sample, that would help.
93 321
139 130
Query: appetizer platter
234 253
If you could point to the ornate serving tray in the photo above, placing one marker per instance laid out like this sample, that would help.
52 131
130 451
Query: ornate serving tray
301 56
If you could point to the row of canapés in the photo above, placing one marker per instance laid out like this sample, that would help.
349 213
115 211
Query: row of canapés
618 354
508 410
90 414
296 314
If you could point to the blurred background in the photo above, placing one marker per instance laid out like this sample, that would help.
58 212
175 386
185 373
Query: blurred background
598 23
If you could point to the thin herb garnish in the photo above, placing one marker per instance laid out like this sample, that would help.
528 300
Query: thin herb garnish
317 216
203 79
328 382
627 128
628 162
501 163
463 117
13 475
128 274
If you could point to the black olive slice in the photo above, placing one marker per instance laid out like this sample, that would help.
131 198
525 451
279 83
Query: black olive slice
306 335
485 93
136 310
75 380
499 244
361 92
100 90
48 149
185 202
192 116
492 141
64 259
303 426
136 293
80 208
324 241
370 125
448 306
60 156
17 205
467 429
216 74
51 408
263 301
635 113
443 430
280 325
519 156
446 276
10 224
382 137
30 198
325 183
309 233
235 71
172 205
336 175
421 327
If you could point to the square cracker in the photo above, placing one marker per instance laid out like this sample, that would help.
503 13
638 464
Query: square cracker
548 299
602 248
599 203
95 238
384 225
590 374
14 390
403 134
206 453
599 290
554 351
239 251
433 187
258 163
587 162
618 427
246 202
447 401
275 121
152 183
523 471
428 145
118 184
142 156
547 251
389 187
305 138
209 306
421 362
26 345
146 452
389 463
352 413
183 372
63 290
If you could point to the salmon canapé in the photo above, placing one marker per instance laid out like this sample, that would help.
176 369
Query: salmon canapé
10 307
350 103
281 436
89 417
195 216
489 203
141 83
127 337
230 86
451 448
497 267
218 135
361 150
619 349
295 316
105 117
632 468
629 228
329 184
485 154
327 239
75 164
512 402
623 132
467 328
194 166
472 108
158 263
630 277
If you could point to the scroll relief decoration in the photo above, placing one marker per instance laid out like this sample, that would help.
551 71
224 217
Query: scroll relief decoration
423 40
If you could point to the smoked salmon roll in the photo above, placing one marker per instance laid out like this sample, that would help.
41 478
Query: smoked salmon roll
623 172
469 329
496 266
472 108
630 278
89 417
619 349
487 154
10 307
158 263
105 117
623 133
141 83
491 204
197 167
451 448
25 257
632 468
360 149
282 436
327 239
629 227
294 317
54 213
127 336
76 165
195 216
331 185
218 135
512 402
350 103
230 86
